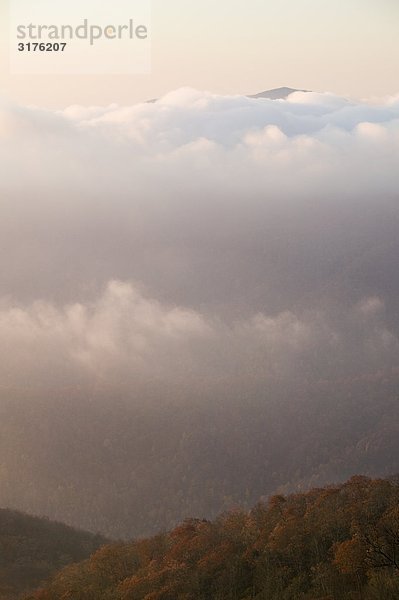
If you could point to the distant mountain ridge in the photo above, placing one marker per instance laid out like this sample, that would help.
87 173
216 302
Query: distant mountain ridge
280 93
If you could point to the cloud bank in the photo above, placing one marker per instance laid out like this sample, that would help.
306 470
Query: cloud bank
201 241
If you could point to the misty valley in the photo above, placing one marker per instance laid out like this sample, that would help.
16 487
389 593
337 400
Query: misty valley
199 341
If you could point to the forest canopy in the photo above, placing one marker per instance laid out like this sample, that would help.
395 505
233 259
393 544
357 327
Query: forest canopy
333 543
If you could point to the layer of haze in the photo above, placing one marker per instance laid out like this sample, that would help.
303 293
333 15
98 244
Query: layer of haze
202 239
198 303
348 47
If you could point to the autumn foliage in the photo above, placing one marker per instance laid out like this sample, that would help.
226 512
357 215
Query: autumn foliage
340 542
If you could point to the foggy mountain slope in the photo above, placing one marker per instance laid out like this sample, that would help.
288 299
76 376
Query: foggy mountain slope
34 549
110 460
198 303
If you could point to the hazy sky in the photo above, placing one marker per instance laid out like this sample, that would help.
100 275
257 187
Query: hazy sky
230 46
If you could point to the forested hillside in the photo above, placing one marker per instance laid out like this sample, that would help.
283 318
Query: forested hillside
100 465
33 549
335 543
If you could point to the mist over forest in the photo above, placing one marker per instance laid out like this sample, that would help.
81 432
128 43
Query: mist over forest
199 304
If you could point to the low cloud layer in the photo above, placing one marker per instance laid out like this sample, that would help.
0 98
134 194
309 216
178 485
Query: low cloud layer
127 342
201 241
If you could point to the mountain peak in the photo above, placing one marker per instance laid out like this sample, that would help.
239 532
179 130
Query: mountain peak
277 93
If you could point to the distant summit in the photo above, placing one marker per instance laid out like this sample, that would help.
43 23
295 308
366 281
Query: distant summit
277 94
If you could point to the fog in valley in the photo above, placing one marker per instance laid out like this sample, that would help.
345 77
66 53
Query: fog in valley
199 303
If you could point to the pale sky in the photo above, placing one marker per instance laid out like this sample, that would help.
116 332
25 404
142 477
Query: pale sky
237 47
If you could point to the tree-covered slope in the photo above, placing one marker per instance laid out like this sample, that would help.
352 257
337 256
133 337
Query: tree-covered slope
336 543
99 465
33 549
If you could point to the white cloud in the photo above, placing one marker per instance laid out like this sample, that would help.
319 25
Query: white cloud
224 208
125 339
